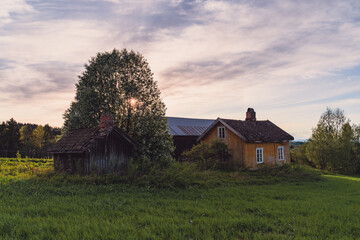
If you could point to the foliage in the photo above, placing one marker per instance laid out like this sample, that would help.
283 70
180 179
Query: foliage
9 138
121 83
21 168
213 155
298 154
332 145
236 205
28 139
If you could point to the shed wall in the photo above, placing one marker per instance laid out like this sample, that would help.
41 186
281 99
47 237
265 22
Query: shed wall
111 154
106 155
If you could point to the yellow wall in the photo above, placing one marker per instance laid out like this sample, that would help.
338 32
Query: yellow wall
245 153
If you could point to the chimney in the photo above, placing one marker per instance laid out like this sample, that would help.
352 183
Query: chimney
106 121
250 115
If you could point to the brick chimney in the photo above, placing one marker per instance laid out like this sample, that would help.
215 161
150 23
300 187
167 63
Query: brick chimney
106 121
250 115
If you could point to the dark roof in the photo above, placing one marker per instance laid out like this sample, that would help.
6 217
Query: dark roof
79 140
257 131
187 126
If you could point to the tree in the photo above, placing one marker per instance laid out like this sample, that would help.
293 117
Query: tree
330 146
213 155
39 136
27 140
298 154
10 138
2 139
121 83
48 136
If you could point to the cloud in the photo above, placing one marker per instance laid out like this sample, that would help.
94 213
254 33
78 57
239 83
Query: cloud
10 8
31 81
211 58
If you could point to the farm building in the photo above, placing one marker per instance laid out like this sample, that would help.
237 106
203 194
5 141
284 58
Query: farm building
251 142
185 132
105 148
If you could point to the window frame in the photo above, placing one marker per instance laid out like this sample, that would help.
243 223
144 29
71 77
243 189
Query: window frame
219 132
282 153
261 149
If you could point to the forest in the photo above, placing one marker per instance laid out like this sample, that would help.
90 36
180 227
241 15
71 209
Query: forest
26 139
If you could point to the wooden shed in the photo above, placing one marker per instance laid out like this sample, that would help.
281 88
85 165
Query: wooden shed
102 149
251 142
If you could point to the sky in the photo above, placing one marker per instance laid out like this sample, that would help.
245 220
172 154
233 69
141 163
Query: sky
289 60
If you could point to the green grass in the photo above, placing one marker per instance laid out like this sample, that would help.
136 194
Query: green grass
13 168
237 205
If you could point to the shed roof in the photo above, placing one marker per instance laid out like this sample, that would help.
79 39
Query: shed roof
79 140
253 131
179 126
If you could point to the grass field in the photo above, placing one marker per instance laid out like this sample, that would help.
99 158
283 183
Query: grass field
49 208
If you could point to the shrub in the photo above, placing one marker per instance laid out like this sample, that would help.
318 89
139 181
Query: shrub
298 155
213 155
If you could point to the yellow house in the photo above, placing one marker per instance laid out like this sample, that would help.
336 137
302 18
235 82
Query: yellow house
251 142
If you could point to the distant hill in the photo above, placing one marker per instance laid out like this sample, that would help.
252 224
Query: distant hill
296 143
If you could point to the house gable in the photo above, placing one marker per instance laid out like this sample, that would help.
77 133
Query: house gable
244 137
235 144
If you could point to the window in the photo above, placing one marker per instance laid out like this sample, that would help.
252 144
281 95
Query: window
221 132
280 153
259 155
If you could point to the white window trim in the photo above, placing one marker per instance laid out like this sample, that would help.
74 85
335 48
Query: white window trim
262 155
223 132
281 148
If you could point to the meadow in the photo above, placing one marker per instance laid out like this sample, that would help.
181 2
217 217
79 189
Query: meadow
288 203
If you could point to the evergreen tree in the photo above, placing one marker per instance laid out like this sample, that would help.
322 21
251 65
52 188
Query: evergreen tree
2 139
121 83
11 138
48 136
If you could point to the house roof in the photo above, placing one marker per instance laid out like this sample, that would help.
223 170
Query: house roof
79 140
253 131
187 126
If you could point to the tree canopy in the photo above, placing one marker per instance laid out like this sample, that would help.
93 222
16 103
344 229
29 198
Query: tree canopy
334 144
121 83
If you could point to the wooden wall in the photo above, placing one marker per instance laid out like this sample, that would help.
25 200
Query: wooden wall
111 154
245 153
235 144
71 163
269 151
108 155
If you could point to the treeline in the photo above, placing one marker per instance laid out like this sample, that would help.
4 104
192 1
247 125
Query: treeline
334 144
29 140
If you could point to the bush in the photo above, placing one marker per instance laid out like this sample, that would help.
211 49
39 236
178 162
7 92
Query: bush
298 155
213 155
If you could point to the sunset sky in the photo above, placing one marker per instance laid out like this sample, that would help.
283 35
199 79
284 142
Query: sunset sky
288 60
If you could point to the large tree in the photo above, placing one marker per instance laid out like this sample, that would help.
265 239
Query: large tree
332 143
121 83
